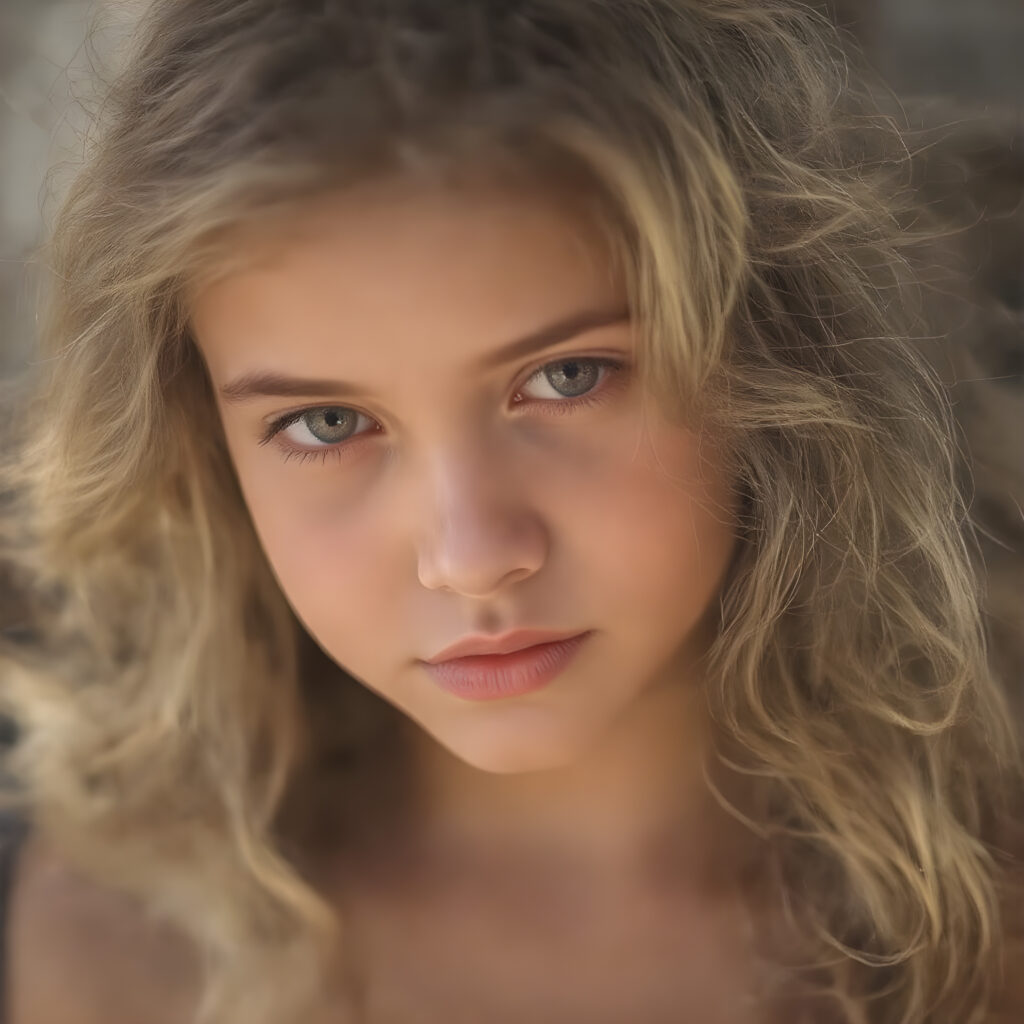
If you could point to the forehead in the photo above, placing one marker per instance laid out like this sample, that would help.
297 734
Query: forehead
456 269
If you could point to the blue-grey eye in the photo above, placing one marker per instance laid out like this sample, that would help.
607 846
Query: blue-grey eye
572 377
330 424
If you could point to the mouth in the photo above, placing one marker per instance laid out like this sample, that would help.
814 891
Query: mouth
518 672
508 643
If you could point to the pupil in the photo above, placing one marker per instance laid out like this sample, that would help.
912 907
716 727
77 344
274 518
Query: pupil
327 424
573 372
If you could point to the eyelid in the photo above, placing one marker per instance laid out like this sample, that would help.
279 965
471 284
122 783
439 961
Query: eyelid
598 355
616 363
623 358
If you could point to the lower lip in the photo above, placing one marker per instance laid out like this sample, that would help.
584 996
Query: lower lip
492 676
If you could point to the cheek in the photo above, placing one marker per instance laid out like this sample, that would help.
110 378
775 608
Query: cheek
341 588
663 525
329 555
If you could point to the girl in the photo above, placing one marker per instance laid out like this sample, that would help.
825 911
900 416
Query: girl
490 541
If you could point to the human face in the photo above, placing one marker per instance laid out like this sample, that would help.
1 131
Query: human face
451 493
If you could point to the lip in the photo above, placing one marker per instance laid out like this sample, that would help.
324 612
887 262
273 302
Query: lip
508 643
494 676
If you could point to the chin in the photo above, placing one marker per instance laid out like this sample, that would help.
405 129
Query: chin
515 762
511 752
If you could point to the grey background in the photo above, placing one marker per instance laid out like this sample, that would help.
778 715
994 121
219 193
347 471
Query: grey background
47 86
972 49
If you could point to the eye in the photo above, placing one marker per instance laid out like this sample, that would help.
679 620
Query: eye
574 379
328 429
331 430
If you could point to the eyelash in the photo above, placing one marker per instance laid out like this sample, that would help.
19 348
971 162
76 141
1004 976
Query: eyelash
559 408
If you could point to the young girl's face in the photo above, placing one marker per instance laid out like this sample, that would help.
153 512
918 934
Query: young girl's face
459 447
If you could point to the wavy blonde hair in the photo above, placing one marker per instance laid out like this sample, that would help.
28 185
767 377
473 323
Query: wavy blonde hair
760 203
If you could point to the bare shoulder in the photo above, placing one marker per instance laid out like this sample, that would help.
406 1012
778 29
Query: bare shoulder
78 953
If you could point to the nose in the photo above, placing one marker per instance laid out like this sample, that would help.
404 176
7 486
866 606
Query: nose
479 531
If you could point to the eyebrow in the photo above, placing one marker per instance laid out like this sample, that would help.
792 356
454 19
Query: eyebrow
264 383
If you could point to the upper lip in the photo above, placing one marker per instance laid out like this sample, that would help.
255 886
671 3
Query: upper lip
504 644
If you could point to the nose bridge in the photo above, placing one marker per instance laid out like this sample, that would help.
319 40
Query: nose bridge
477 529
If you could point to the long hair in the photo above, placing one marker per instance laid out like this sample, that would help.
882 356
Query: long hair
760 204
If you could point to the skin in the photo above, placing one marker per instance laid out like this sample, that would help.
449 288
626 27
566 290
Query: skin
464 511
113 962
